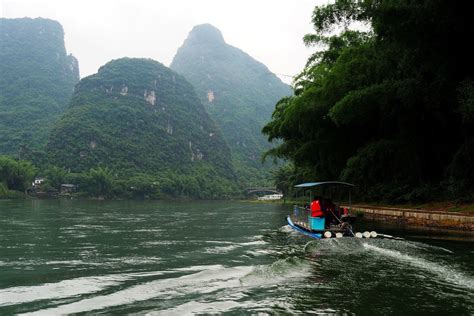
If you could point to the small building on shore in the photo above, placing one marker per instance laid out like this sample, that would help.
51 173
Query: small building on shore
67 188
38 181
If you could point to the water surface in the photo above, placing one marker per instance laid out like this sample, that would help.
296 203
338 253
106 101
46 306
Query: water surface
129 257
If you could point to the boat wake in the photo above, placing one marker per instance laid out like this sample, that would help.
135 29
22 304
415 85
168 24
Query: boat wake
67 288
278 272
210 279
423 261
229 283
446 273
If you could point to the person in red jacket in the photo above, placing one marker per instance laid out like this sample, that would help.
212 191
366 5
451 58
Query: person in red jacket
315 207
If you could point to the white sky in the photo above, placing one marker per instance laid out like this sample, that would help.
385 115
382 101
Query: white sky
97 31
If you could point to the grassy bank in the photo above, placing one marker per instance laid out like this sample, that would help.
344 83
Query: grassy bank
8 194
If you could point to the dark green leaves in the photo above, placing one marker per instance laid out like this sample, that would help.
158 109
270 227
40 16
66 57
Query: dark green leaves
390 109
15 175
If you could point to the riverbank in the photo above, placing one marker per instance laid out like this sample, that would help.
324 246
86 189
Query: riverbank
11 195
445 206
432 219
16 195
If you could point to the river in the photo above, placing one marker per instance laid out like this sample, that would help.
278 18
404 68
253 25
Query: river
178 258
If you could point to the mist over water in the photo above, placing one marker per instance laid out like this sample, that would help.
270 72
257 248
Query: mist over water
129 257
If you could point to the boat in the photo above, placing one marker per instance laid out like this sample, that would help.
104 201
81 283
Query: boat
334 220
270 197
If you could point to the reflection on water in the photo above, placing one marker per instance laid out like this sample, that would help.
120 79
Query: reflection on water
61 257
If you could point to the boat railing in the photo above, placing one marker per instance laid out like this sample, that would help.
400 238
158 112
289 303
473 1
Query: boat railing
300 215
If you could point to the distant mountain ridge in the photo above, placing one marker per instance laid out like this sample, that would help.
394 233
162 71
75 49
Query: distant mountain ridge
37 78
134 115
239 93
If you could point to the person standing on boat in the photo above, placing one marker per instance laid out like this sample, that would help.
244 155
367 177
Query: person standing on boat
315 207
329 209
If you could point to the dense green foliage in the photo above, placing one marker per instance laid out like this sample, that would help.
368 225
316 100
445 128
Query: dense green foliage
238 92
54 176
37 78
390 109
15 175
138 120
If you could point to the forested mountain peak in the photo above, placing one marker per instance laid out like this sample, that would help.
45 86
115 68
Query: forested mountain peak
205 33
238 91
36 82
137 116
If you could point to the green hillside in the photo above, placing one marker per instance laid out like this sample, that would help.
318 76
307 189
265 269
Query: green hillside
391 109
135 116
37 79
238 92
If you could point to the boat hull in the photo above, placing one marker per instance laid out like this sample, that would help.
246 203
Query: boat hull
316 235
302 230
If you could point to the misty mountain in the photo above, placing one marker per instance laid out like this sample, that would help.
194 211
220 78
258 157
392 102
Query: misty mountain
37 78
238 92
138 116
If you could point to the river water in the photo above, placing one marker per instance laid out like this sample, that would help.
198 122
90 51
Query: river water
178 258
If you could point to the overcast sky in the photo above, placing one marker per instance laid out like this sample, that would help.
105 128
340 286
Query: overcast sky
97 31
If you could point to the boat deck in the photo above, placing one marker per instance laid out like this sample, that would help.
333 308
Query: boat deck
305 225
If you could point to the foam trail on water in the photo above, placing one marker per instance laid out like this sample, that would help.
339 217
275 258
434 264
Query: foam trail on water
194 307
425 247
286 229
230 246
278 272
62 289
448 274
201 282
221 250
208 279
65 288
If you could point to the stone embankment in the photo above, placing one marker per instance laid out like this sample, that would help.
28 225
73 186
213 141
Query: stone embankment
418 217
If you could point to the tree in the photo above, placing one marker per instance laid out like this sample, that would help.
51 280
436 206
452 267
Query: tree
284 178
382 107
100 182
142 185
55 176
15 175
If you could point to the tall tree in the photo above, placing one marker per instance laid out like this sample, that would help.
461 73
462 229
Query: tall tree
15 175
381 107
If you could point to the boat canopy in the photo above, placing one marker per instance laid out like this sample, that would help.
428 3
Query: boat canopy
314 184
